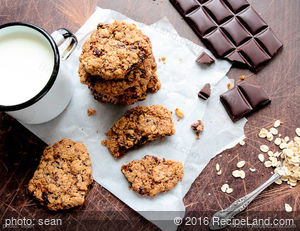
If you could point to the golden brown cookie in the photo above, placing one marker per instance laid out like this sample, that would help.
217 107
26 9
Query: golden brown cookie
138 126
151 175
114 49
126 91
62 178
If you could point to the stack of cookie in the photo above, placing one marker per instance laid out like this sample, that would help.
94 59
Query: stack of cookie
118 65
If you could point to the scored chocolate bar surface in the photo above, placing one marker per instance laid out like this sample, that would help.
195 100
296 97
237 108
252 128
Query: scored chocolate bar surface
244 99
231 29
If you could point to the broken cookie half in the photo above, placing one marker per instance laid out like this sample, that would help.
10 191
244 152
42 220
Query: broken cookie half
138 126
151 175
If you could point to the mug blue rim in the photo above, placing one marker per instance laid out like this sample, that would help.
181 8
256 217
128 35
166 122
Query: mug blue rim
53 76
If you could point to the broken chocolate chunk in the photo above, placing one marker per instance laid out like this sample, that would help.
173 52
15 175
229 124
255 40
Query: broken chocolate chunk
204 93
244 99
204 58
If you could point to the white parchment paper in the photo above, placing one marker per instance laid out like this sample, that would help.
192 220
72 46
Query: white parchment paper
181 79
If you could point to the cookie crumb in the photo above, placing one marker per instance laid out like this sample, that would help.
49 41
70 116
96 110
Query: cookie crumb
163 58
229 86
242 77
197 127
104 142
91 111
179 113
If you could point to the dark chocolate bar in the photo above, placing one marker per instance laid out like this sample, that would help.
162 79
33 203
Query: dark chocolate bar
204 58
231 29
244 99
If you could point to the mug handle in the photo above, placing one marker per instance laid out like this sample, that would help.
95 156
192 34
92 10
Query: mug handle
66 38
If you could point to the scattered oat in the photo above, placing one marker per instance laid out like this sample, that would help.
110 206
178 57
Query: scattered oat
276 123
282 145
224 187
242 142
277 141
270 153
269 136
219 172
297 131
229 190
263 133
274 131
241 164
239 173
286 139
264 148
179 113
229 86
252 169
268 164
242 77
261 157
277 154
217 167
278 181
91 111
288 208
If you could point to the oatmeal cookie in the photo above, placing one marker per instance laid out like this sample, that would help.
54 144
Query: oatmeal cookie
138 126
114 49
151 175
126 91
62 178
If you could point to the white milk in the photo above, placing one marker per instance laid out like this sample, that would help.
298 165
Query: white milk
26 64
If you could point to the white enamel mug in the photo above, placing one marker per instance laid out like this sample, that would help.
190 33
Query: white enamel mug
55 95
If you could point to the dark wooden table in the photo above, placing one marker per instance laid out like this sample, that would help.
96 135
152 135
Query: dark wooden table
20 150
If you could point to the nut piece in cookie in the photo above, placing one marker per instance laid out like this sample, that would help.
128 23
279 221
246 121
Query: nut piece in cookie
138 126
62 178
151 175
197 127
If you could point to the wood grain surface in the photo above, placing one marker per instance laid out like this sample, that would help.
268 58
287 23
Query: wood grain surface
20 150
